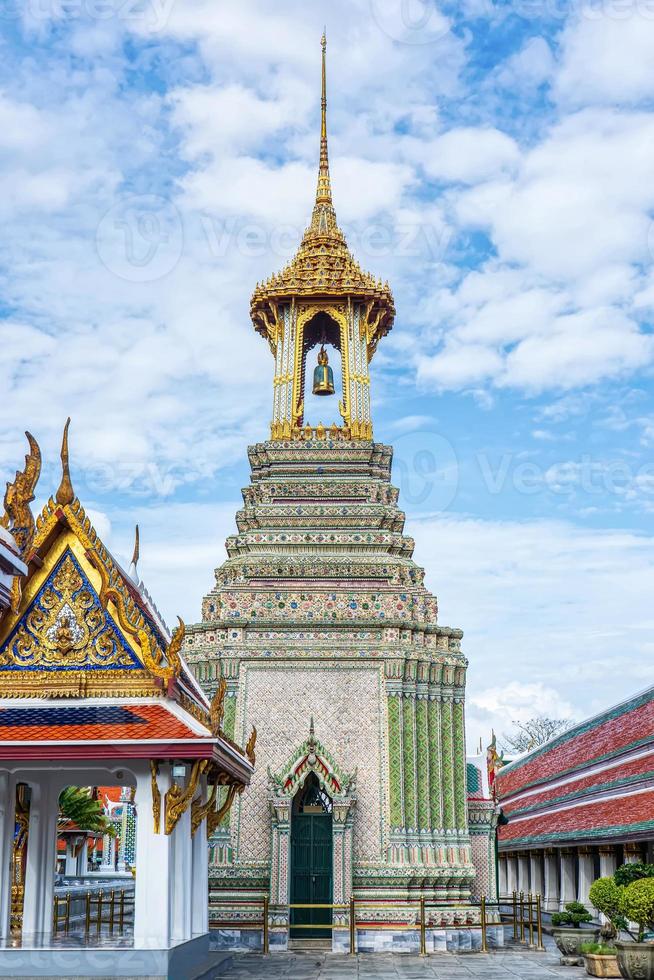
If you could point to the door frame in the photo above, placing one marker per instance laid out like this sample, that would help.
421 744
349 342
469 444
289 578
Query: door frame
312 756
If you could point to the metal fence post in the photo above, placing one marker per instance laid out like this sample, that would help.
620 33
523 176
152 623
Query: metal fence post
515 916
484 943
87 916
67 919
423 929
99 921
353 928
539 923
266 941
531 920
522 917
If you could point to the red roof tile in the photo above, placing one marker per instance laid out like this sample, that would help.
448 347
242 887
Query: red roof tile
143 721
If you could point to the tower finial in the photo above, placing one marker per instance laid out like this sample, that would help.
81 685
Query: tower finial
324 191
65 493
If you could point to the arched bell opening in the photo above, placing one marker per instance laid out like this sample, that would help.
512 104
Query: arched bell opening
311 860
322 376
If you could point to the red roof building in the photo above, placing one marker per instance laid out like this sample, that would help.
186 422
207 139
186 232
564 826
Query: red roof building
579 805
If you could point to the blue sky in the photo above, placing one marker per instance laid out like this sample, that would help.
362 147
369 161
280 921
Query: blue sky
493 160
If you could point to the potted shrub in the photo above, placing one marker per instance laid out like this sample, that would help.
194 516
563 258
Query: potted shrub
568 934
606 895
601 960
636 959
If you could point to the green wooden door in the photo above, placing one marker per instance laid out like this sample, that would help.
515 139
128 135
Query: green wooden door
311 872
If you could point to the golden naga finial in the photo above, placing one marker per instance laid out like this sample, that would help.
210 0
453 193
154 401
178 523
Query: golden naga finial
18 517
217 710
135 556
65 493
174 647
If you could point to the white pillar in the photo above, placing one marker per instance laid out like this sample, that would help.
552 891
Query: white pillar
568 885
633 853
536 873
107 854
41 857
200 879
551 880
164 863
523 872
70 868
586 874
608 860
503 872
512 873
7 817
182 864
153 866
83 858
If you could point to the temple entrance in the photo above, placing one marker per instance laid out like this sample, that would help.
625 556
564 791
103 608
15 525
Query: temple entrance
311 860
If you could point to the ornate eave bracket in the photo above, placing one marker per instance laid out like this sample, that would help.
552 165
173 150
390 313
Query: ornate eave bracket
178 800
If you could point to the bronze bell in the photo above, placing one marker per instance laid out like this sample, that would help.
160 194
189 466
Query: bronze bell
323 376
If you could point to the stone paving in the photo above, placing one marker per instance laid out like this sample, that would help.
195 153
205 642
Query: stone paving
510 964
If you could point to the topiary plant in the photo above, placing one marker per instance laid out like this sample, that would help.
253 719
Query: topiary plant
573 915
627 873
605 895
637 904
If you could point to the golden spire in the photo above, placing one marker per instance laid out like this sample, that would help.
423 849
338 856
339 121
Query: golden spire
65 493
324 190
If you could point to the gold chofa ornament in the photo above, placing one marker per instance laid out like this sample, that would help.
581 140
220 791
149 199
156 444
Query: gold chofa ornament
323 376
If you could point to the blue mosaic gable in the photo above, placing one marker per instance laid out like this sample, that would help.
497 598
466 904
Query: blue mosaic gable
66 628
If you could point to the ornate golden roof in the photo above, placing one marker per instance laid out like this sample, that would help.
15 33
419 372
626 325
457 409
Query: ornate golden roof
323 266
78 623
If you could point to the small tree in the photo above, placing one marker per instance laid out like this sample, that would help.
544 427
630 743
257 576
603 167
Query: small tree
530 734
573 914
637 904
605 895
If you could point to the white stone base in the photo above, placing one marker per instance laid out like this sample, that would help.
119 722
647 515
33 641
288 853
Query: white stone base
190 959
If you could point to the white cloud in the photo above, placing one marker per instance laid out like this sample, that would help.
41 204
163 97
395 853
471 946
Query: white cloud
469 155
607 55
528 596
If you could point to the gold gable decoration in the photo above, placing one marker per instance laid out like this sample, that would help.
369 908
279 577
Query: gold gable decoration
69 627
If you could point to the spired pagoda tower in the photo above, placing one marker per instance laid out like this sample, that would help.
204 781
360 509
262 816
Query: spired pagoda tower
329 643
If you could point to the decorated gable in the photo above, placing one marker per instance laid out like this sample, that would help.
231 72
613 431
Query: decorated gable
65 627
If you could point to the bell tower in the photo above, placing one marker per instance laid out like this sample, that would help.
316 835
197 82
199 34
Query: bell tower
321 632
322 297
